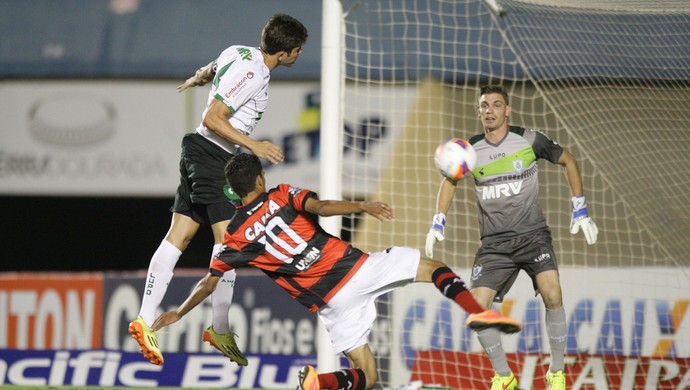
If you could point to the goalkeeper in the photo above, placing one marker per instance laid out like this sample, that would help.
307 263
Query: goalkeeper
513 230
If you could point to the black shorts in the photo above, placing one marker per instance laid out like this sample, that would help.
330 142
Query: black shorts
201 194
497 264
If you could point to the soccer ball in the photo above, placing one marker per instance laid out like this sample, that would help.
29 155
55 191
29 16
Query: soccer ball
455 158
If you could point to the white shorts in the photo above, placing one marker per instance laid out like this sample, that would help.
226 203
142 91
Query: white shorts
350 314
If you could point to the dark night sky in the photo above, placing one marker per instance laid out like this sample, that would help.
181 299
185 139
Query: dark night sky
89 234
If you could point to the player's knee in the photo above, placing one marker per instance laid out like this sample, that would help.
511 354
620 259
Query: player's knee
426 269
553 301
552 296
435 264
180 241
484 296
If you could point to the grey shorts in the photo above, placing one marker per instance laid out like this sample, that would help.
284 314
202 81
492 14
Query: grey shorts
497 264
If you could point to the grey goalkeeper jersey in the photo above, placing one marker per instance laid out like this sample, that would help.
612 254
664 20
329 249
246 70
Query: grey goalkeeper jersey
507 183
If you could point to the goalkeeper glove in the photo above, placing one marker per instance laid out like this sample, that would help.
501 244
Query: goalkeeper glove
582 220
436 233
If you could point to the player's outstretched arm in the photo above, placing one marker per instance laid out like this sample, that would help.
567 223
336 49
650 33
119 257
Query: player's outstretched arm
438 224
327 208
203 76
202 290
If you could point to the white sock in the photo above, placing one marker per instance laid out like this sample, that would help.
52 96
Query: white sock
557 331
490 339
221 299
158 277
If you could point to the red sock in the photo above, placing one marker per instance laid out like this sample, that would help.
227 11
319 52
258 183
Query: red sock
467 302
328 381
452 286
348 379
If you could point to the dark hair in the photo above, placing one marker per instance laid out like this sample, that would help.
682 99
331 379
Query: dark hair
241 172
494 89
282 33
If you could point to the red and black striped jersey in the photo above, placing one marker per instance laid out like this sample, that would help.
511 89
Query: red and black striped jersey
277 235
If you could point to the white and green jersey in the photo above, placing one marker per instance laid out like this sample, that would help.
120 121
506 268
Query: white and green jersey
241 83
507 184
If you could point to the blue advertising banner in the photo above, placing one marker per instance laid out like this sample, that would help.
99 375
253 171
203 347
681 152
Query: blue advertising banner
116 368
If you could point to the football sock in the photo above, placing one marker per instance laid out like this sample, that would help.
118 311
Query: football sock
490 339
221 299
557 331
158 277
346 379
453 287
